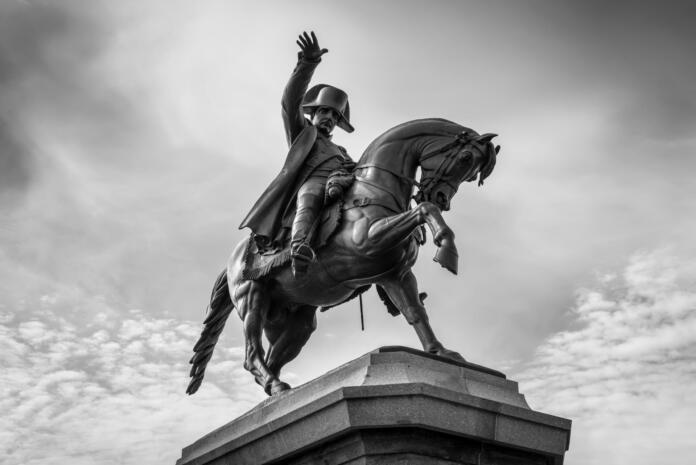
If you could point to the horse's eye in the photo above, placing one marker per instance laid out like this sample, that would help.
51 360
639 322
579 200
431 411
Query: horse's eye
464 159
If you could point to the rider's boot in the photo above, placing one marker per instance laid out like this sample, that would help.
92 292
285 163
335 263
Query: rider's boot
301 253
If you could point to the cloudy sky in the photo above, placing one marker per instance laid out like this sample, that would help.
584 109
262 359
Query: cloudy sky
135 135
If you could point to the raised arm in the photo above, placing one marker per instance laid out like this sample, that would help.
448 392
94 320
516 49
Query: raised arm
308 59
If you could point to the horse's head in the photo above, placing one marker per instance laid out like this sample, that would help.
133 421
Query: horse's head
464 157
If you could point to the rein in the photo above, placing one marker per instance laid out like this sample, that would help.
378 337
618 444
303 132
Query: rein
402 177
426 183
460 139
439 175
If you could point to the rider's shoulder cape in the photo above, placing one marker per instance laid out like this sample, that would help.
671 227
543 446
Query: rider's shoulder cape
267 215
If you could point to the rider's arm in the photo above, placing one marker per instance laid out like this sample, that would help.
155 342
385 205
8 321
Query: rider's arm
308 59
293 115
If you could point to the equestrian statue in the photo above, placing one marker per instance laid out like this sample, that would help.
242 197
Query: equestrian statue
326 229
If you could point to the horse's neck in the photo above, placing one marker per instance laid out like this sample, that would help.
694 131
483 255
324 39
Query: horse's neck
401 147
397 157
388 173
391 161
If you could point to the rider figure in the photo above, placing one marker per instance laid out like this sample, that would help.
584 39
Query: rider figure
313 157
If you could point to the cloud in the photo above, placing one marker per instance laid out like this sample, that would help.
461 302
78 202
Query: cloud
16 164
45 52
103 181
110 391
625 375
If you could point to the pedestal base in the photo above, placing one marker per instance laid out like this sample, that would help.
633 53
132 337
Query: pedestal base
391 406
401 446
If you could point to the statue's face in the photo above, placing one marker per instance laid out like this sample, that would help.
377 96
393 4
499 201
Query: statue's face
325 119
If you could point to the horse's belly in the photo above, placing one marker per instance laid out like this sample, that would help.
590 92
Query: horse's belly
339 271
317 288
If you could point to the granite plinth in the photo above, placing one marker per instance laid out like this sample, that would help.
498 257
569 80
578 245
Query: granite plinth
391 406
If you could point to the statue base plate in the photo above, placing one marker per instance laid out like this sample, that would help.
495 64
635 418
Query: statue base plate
394 405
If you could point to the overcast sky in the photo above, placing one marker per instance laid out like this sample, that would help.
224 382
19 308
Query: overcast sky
134 136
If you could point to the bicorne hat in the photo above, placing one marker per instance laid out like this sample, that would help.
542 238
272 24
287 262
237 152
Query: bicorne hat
324 95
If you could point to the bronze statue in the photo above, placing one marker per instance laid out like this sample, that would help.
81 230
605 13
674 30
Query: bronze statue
366 235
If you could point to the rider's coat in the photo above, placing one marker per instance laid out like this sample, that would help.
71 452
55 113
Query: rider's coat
310 154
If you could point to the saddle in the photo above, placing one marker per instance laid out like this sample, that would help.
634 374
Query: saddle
258 265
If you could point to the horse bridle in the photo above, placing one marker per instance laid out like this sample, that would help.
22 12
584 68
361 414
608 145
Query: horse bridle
426 185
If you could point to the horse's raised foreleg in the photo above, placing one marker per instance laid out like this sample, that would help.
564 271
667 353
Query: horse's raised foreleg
253 305
404 293
288 335
391 230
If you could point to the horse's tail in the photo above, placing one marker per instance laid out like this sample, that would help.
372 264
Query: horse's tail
219 309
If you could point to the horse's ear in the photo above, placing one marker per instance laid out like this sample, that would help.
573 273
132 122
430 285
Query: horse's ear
497 149
486 138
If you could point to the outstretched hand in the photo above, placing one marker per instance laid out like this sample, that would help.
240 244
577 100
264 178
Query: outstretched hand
310 46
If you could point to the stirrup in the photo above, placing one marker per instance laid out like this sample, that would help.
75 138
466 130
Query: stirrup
302 255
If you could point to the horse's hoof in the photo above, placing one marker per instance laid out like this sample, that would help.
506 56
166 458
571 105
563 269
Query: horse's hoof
447 256
276 387
450 354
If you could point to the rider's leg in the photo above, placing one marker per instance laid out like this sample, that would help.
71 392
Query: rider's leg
310 199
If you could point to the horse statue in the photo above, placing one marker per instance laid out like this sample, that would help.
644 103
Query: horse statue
376 242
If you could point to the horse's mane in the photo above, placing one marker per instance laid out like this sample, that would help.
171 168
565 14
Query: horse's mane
415 128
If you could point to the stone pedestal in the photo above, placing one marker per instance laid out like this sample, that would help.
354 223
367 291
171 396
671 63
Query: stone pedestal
391 406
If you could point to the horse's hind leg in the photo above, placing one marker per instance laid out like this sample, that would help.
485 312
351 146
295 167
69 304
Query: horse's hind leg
404 293
288 335
253 305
